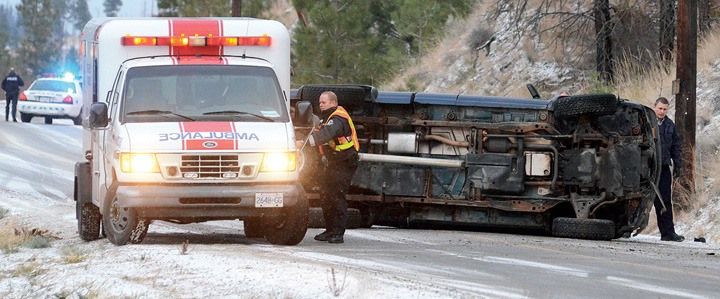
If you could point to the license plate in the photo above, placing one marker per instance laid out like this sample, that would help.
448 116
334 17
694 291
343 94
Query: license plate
46 99
268 200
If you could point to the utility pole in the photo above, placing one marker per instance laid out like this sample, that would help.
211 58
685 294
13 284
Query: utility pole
684 88
236 8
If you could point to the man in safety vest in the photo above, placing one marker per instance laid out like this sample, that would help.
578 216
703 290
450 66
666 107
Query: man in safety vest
337 141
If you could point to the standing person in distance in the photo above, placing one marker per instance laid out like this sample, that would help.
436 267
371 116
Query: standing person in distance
338 145
11 85
670 141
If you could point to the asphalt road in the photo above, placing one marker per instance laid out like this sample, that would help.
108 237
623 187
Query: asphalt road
36 164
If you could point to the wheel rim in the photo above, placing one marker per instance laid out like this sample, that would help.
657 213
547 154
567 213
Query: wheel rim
119 217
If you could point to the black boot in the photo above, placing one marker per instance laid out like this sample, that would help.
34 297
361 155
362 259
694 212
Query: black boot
324 236
336 239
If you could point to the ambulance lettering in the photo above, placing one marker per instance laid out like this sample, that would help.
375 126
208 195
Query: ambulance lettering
208 135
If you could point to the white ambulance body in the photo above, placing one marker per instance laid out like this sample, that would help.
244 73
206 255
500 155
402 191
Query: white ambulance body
188 121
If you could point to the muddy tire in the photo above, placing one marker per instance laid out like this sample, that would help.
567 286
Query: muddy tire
122 224
367 218
589 229
48 120
254 228
591 104
86 213
290 226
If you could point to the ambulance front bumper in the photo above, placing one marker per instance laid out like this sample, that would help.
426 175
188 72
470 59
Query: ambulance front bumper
208 200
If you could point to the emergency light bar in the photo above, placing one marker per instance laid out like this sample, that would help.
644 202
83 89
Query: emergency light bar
196 41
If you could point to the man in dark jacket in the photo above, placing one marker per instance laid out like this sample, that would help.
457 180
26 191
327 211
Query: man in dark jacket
338 144
11 85
670 140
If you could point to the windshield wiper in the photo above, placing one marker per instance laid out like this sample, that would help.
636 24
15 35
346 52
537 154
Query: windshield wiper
230 112
155 112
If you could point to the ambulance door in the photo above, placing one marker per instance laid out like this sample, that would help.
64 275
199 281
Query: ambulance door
104 147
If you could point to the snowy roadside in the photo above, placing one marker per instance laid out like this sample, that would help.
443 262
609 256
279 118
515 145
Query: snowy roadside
218 262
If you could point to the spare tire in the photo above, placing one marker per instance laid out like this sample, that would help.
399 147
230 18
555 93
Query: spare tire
589 229
590 104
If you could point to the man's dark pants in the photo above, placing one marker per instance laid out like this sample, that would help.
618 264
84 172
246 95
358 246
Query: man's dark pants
11 99
665 220
336 182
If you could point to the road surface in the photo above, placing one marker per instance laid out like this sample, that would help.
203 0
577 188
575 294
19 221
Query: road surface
36 175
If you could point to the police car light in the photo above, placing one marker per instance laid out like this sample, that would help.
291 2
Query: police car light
23 97
196 41
68 100
68 77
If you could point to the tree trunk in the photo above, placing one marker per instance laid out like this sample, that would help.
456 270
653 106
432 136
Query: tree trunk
685 99
603 29
667 29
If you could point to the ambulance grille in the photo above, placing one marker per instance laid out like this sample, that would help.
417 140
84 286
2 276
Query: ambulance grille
210 166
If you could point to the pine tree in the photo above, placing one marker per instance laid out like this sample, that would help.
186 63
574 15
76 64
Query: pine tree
80 14
112 7
39 47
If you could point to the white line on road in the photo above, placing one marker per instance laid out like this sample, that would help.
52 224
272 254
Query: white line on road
652 288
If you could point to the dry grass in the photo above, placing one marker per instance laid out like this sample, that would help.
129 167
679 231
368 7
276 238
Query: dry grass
72 255
9 241
15 236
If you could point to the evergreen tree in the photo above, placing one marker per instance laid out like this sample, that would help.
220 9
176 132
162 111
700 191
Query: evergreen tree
365 42
4 38
80 14
112 7
39 48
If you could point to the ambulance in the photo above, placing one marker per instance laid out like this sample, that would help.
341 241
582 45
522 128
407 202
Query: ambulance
188 120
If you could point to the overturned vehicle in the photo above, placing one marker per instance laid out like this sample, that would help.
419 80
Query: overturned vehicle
582 166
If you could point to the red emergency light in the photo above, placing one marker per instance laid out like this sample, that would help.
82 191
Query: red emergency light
196 41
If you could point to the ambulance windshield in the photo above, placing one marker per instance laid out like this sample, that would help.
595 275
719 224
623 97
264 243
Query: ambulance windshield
202 93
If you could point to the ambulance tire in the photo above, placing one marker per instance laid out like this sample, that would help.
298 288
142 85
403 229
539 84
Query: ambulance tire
48 120
122 224
290 226
87 214
588 229
25 117
254 228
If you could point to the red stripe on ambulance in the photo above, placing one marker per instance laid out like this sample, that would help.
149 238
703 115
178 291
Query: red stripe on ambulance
209 136
193 28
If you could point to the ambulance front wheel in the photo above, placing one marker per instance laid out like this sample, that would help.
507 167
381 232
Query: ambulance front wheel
290 226
122 224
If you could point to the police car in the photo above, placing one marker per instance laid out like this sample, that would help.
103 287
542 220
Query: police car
52 98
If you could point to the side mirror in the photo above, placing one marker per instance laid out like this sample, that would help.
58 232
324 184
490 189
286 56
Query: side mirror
98 115
303 114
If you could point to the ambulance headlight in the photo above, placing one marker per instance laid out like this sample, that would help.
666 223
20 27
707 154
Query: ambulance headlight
138 163
278 162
